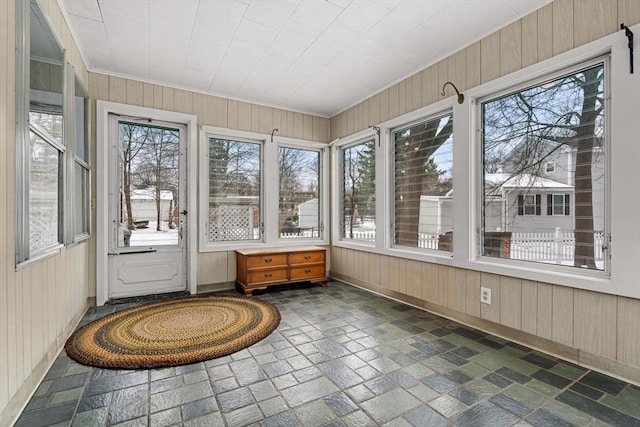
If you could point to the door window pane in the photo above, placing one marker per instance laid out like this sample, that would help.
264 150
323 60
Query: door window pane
44 194
149 185
299 212
358 210
423 184
234 190
560 123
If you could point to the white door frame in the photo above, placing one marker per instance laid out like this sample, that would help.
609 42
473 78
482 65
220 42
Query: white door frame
104 108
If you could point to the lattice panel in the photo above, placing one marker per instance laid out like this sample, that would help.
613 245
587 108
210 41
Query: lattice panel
231 223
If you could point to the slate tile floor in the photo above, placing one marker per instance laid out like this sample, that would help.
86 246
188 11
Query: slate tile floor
342 357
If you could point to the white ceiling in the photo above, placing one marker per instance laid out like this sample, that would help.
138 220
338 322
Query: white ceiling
313 56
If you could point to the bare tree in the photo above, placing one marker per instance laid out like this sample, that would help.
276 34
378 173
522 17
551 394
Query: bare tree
132 137
525 129
158 168
413 151
358 191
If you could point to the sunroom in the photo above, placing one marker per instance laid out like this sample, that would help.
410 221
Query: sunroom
464 168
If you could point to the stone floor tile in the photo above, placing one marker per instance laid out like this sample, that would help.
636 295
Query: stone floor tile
426 416
340 404
359 393
165 418
542 418
447 405
314 414
273 406
597 410
180 396
484 414
603 382
198 408
306 392
213 419
358 418
243 416
235 399
389 405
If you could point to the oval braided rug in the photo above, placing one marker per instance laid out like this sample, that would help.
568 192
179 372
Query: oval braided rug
173 332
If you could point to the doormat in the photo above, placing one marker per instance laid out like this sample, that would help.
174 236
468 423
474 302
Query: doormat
173 332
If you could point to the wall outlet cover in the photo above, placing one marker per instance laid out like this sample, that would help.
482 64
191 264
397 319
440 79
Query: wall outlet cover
485 295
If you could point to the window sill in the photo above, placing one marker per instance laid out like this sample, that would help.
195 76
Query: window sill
53 251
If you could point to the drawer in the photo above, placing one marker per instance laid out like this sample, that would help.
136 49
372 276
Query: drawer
268 260
306 257
267 276
301 273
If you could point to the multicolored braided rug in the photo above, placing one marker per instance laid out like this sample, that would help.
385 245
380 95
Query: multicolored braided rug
173 332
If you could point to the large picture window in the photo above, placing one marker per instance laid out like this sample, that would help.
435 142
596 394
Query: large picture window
234 190
559 122
423 184
299 201
358 201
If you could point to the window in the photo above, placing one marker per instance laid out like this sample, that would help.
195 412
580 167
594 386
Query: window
234 206
529 204
299 210
559 118
558 204
423 184
41 145
358 201
259 191
81 197
550 167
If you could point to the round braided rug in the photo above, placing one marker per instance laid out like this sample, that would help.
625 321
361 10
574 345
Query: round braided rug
173 332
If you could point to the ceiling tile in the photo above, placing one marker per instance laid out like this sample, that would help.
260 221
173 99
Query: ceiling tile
316 56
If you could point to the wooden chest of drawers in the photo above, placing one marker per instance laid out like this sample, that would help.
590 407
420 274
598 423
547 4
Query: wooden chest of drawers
260 268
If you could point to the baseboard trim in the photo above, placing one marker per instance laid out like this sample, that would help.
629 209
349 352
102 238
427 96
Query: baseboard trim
215 287
574 355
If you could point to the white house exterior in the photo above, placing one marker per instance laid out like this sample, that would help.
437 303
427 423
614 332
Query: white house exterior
143 204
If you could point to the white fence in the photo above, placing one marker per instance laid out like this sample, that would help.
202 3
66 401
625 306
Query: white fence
555 246
425 241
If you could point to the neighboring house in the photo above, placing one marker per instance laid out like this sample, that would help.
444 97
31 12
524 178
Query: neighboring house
557 166
527 203
143 204
308 214
436 214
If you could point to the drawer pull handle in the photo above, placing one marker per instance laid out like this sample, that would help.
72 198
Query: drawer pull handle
307 257
307 271
268 260
267 275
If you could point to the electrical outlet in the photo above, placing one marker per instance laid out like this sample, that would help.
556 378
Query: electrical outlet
485 295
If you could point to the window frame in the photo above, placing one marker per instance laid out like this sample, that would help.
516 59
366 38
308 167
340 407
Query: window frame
432 115
269 189
339 188
566 204
66 100
536 205
321 188
495 91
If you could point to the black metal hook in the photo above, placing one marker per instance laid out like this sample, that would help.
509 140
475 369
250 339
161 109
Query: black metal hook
460 96
274 131
629 34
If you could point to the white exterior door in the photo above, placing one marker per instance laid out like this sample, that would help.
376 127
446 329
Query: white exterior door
147 207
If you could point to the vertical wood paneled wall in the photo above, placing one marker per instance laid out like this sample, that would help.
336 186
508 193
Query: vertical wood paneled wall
594 329
213 267
39 304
